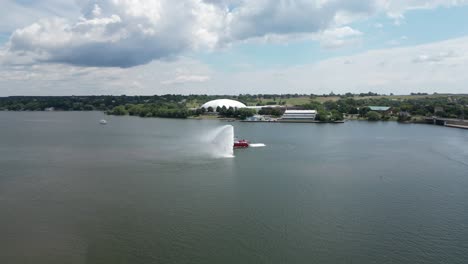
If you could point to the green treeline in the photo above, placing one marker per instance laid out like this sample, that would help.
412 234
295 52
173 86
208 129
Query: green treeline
108 102
330 107
401 110
169 110
230 112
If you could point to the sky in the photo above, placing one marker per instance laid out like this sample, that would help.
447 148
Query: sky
146 47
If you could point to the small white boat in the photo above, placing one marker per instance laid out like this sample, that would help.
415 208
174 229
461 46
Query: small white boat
103 122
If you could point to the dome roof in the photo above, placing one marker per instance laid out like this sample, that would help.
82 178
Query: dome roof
223 102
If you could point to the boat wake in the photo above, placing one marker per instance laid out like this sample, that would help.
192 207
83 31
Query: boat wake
257 145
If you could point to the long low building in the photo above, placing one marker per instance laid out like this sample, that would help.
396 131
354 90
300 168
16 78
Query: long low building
298 116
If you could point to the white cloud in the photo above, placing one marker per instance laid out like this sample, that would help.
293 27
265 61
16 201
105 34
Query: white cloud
253 19
63 79
435 57
182 79
396 8
264 17
17 14
440 69
120 33
437 67
339 37
127 33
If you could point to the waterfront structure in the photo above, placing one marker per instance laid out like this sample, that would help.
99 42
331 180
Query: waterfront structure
405 114
448 122
301 116
260 118
381 109
255 118
214 104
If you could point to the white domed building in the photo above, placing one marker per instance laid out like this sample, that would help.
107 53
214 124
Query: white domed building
223 102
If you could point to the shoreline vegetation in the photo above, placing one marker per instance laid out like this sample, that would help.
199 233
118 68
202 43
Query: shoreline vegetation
331 108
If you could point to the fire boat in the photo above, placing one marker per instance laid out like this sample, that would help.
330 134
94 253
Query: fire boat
242 143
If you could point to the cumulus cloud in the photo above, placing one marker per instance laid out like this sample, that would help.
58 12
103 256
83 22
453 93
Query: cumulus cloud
18 14
127 33
252 19
264 17
442 69
120 33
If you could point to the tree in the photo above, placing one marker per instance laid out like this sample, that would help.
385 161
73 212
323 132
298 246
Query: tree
403 117
313 105
230 112
119 110
88 107
323 116
277 112
243 113
330 105
336 115
373 116
353 111
363 111
273 111
210 109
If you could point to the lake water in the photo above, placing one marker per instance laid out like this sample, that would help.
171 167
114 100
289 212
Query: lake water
152 191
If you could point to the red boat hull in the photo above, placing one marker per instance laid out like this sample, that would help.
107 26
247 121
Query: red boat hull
241 144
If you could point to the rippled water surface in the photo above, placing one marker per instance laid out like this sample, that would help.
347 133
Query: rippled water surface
154 191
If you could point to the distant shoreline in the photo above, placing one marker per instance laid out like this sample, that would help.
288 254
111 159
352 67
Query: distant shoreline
332 108
460 124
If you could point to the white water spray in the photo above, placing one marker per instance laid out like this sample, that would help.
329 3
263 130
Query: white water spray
221 142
